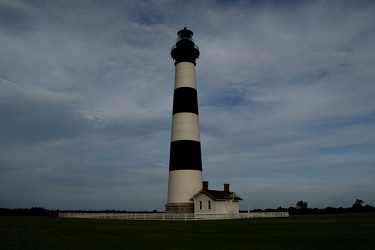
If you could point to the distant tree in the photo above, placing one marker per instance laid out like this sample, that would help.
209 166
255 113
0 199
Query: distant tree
281 209
357 204
301 205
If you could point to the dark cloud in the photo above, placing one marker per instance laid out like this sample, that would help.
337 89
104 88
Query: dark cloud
15 18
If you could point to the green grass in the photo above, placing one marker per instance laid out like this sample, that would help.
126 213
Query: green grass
345 231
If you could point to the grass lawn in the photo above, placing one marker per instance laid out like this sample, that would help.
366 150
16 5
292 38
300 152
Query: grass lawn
344 231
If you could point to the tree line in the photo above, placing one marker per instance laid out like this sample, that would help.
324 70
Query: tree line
40 211
301 207
34 211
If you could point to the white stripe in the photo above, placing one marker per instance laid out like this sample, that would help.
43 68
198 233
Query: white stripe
185 126
183 184
184 75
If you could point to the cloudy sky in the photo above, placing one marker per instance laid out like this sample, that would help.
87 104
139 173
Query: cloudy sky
285 88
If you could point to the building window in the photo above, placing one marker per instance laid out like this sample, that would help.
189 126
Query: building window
209 205
200 205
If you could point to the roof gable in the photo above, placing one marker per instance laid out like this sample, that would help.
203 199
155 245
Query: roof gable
218 195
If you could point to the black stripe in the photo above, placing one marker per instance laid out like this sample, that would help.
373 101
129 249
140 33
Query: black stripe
185 155
185 99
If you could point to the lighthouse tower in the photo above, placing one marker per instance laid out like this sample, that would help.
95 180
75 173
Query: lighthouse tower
185 162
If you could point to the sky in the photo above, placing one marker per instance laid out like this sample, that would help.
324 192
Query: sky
285 90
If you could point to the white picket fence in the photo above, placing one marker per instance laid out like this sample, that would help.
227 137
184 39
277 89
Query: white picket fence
163 216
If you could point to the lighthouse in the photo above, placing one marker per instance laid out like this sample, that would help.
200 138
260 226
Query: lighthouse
185 162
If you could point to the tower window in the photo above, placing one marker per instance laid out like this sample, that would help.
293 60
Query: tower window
200 205
209 205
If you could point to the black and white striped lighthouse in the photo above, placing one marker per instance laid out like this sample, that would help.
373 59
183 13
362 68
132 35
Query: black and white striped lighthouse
185 162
